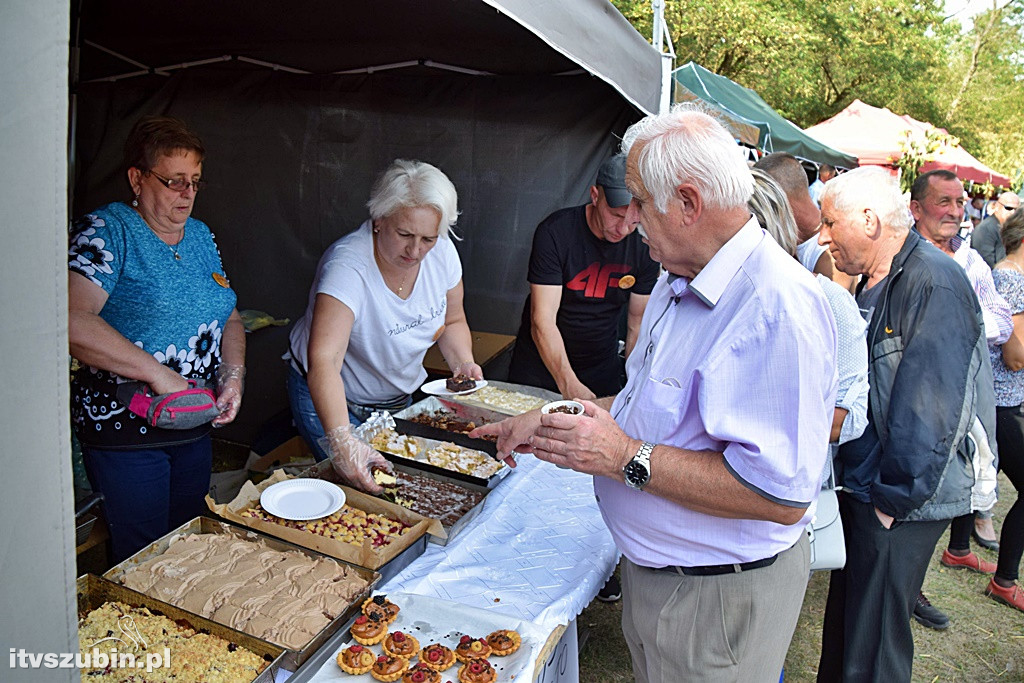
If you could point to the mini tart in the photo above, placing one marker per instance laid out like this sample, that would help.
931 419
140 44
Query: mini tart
356 660
437 657
400 644
388 668
369 630
470 648
477 671
504 642
381 605
422 674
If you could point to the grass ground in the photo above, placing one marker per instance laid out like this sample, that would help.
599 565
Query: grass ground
984 643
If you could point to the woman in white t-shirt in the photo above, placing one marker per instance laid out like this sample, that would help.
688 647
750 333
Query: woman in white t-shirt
382 295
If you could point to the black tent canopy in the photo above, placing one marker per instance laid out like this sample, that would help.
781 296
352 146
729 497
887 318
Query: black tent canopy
301 104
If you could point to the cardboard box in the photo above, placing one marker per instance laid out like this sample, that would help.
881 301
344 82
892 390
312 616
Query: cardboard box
364 556
294 455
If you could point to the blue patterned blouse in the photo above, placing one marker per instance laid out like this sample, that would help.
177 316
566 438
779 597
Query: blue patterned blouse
171 302
1009 384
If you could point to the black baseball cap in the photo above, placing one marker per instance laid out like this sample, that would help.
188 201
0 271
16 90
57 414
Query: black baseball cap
612 179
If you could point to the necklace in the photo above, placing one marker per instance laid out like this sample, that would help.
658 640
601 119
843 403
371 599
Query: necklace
379 260
174 249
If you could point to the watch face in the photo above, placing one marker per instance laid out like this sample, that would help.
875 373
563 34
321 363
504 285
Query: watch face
636 474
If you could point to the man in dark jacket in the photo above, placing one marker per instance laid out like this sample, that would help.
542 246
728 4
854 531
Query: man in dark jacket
986 239
910 472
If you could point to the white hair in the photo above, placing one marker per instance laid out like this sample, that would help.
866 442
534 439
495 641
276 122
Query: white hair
689 145
408 184
870 187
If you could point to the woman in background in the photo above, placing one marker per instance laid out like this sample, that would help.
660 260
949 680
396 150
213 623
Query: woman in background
1008 371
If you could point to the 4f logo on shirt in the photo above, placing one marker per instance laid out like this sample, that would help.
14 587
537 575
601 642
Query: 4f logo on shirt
595 279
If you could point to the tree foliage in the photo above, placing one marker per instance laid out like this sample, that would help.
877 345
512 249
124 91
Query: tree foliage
810 59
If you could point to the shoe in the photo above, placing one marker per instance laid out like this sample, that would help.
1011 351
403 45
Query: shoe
612 590
1012 595
987 543
968 561
929 616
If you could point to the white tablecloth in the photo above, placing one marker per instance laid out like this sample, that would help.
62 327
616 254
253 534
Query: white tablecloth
538 550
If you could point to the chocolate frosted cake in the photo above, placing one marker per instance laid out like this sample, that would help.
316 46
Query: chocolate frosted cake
460 383
284 597
448 422
441 500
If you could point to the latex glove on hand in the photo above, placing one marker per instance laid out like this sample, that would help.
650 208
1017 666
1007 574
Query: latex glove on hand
353 458
469 369
230 385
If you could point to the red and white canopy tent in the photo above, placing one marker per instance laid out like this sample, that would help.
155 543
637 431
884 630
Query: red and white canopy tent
873 134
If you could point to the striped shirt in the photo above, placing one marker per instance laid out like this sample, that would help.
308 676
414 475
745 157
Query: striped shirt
994 309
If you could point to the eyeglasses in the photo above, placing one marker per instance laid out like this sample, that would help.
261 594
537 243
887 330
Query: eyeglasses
1008 208
178 184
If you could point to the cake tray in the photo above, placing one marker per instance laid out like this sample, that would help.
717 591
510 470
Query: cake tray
324 470
205 525
93 591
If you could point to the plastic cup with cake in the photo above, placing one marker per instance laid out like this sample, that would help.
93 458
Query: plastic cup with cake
564 408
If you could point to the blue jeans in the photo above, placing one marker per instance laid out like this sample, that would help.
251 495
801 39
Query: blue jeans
304 414
149 491
305 417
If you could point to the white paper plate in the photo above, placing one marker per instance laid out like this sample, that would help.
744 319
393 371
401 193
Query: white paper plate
302 499
437 388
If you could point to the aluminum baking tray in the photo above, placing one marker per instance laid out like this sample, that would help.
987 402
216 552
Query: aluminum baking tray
205 525
324 470
93 591
434 405
470 400
381 422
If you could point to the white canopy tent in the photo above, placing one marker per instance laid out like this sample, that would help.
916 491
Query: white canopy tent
37 536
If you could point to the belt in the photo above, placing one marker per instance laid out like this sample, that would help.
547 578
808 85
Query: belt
718 569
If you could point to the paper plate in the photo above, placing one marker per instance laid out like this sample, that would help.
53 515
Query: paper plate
437 388
302 499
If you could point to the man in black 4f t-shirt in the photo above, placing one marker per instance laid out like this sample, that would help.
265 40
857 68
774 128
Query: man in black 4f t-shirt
587 264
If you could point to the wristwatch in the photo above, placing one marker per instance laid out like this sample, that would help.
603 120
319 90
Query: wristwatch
637 471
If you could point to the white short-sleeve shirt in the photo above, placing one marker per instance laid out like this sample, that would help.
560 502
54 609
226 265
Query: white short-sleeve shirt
390 335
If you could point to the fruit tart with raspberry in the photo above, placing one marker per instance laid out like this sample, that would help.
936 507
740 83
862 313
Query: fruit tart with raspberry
388 668
400 644
477 671
369 630
437 657
472 648
421 674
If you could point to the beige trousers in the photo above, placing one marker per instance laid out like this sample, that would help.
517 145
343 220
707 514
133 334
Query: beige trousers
731 628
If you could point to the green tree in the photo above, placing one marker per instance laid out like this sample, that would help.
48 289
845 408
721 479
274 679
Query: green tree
986 64
810 59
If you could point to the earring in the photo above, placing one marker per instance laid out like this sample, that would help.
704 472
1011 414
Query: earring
135 202
376 231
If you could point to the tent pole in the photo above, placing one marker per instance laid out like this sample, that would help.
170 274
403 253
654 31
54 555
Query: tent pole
660 38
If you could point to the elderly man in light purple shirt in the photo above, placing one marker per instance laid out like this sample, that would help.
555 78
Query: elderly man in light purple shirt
711 456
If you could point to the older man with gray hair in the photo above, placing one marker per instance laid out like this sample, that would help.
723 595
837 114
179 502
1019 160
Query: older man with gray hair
910 472
706 463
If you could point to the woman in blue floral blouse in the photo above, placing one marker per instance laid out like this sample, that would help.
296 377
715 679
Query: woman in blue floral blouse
148 300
